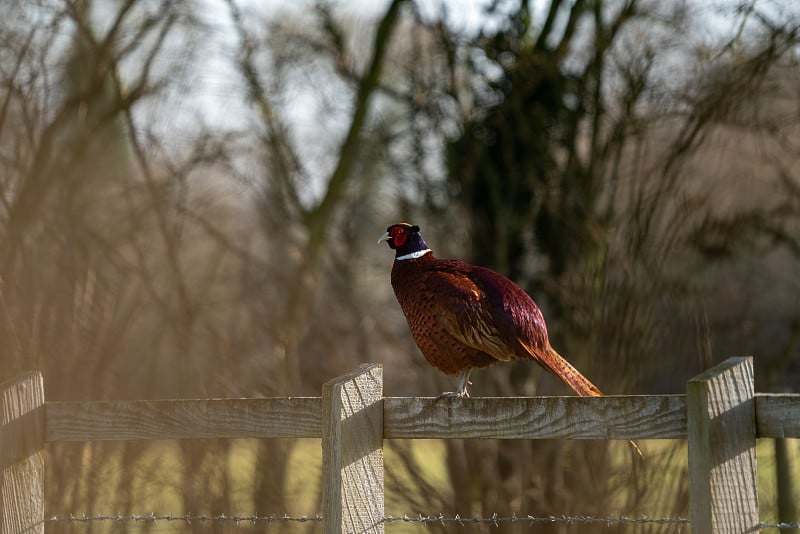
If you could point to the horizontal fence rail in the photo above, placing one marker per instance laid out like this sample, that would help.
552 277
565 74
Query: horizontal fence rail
291 417
720 417
609 417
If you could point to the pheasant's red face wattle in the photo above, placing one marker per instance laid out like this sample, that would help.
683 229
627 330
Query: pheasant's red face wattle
398 235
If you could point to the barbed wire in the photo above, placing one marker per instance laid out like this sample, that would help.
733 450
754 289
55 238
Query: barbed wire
494 519
184 518
531 519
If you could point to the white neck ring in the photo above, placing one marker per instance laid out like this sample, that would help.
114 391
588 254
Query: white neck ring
413 255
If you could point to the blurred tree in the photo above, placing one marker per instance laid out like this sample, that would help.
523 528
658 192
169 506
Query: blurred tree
94 290
531 169
314 229
576 183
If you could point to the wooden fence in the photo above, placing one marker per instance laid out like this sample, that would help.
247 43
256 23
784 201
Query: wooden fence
720 415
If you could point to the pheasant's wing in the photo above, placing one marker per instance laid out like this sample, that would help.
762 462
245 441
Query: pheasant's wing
461 307
520 322
486 311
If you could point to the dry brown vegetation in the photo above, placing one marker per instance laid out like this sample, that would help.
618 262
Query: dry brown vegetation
190 195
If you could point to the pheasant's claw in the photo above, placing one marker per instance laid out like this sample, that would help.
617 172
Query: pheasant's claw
458 394
461 392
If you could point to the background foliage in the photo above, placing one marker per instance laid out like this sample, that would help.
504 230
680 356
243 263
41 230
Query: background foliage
190 194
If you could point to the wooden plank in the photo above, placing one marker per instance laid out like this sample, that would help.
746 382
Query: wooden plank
22 455
352 452
778 415
298 417
610 417
722 449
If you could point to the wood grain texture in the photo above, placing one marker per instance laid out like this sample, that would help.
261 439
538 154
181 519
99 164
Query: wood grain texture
22 444
778 415
722 453
352 452
611 417
298 417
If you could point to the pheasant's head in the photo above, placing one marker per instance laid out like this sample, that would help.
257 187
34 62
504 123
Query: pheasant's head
406 240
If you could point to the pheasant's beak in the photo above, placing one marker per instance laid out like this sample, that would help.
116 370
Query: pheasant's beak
384 237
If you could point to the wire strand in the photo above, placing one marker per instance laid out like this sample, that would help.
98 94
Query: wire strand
494 519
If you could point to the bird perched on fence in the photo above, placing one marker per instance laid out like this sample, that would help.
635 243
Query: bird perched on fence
463 316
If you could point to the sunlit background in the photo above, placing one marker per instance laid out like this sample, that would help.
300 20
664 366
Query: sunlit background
191 193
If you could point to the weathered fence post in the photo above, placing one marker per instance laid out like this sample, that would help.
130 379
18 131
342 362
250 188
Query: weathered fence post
352 451
22 441
722 449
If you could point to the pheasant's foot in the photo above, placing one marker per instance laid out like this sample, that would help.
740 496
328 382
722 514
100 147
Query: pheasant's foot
460 393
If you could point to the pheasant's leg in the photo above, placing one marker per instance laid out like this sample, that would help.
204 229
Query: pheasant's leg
462 391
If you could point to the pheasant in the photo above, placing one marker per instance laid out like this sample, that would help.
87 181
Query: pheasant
463 316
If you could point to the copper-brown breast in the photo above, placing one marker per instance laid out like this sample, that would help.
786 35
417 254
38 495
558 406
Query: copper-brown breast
441 349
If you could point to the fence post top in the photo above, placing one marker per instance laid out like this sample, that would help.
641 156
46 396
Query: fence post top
21 377
727 365
362 369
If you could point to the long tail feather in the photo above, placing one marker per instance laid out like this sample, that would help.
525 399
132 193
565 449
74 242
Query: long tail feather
553 361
